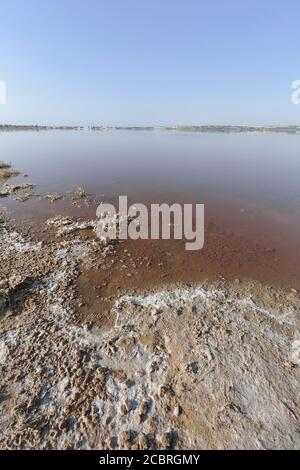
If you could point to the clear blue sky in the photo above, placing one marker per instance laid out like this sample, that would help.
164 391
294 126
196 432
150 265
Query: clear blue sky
140 62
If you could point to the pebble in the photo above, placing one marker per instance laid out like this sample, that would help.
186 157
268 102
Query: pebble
143 411
177 410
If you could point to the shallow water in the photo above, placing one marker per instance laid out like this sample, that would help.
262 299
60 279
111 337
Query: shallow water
260 169
249 182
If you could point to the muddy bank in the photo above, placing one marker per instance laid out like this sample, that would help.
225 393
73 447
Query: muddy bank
244 242
200 365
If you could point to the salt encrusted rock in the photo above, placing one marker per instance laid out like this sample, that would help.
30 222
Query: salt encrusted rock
12 188
53 197
4 284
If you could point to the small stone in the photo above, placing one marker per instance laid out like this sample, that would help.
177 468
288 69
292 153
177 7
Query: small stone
289 365
15 281
143 411
177 410
4 284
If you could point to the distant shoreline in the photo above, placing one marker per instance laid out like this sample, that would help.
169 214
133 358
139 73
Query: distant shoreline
200 129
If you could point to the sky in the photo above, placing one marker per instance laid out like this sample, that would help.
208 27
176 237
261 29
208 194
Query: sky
149 62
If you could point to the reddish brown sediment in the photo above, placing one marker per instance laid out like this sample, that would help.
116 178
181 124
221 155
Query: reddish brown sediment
240 243
141 265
